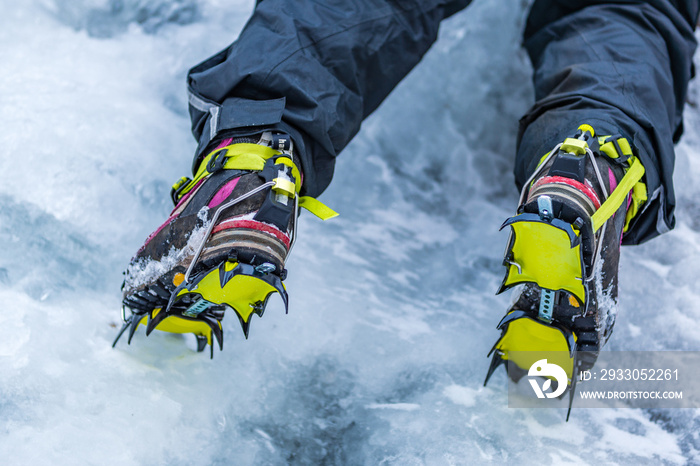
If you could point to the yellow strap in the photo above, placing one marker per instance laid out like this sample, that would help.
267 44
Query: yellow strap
240 156
316 207
608 148
249 148
295 171
283 186
619 195
639 197
244 156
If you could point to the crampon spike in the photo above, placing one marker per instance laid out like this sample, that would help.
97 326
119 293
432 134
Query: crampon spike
121 332
154 321
134 322
277 284
572 392
216 330
285 298
245 326
201 343
571 399
496 361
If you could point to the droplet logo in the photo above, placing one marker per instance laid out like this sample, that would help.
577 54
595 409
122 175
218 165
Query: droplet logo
542 368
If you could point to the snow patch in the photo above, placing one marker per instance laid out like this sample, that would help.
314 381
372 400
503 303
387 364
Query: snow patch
146 270
397 406
606 299
460 395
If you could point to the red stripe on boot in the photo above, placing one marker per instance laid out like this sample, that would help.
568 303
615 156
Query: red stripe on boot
585 189
252 225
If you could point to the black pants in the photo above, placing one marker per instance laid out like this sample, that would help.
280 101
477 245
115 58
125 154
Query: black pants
317 68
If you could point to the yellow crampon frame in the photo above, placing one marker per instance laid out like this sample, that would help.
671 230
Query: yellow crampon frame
243 288
525 340
233 286
546 252
539 250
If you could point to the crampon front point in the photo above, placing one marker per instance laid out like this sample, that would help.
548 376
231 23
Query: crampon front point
198 307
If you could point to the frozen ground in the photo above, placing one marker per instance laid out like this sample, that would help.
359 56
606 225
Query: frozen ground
392 311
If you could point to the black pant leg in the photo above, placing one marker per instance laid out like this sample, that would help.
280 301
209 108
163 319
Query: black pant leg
314 69
622 67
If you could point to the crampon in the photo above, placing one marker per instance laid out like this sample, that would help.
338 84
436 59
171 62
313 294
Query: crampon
563 250
224 246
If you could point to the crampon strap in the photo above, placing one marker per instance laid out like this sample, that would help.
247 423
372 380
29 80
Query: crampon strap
252 157
629 183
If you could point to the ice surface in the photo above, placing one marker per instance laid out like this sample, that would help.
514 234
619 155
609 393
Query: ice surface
392 306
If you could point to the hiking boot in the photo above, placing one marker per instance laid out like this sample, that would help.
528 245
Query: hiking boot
224 246
564 251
